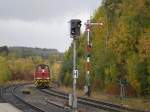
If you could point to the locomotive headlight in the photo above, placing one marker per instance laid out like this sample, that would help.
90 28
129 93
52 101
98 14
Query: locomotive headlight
38 78
43 71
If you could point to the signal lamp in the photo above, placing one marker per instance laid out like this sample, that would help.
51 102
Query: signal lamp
75 25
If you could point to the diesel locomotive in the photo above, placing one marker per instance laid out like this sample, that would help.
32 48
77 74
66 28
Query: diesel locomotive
42 76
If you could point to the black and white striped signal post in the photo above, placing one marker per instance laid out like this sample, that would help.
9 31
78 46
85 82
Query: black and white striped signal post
75 25
89 24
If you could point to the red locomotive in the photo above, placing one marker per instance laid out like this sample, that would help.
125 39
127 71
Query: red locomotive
42 76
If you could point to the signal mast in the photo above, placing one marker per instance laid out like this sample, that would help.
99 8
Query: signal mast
75 25
89 25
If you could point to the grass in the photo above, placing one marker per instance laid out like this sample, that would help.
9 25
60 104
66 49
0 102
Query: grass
136 103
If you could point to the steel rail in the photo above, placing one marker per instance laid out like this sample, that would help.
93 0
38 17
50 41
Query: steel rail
22 100
14 94
91 102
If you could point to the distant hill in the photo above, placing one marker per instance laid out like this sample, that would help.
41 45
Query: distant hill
29 51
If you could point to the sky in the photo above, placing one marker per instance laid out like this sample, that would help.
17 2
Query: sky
42 23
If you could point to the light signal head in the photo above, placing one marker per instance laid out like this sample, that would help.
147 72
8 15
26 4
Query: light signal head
75 25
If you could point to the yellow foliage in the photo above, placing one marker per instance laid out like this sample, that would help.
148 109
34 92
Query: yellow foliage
144 47
4 71
136 85
55 70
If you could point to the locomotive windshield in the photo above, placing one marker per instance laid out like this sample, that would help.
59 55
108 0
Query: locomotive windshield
42 66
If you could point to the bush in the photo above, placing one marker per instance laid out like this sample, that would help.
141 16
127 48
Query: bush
4 71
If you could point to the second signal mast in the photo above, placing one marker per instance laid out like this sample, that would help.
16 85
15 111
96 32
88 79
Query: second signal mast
89 25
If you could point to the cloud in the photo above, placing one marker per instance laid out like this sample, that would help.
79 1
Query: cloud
42 9
35 33
41 23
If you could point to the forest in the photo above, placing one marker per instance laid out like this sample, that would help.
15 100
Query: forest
19 63
120 49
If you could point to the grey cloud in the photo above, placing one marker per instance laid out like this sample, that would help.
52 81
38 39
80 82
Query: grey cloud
34 34
40 9
41 23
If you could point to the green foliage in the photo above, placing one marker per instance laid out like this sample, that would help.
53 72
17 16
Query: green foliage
21 69
4 70
25 52
4 51
19 63
55 71
66 71
121 48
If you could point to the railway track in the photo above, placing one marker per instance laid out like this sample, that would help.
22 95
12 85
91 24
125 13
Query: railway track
37 99
38 109
8 95
62 103
52 98
98 104
13 94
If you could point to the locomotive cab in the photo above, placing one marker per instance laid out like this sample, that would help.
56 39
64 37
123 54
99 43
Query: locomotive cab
42 76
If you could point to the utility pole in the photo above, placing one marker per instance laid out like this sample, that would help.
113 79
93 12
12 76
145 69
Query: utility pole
121 89
74 33
75 76
89 24
123 83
